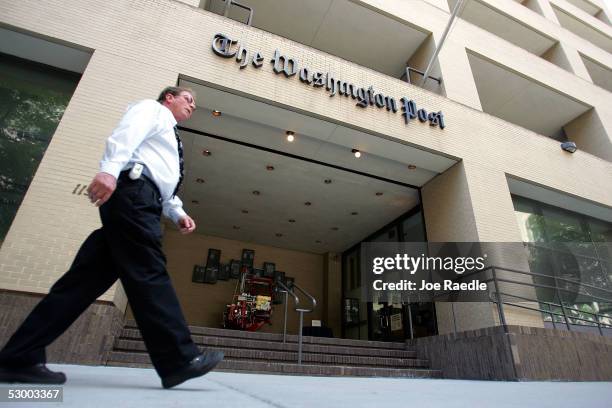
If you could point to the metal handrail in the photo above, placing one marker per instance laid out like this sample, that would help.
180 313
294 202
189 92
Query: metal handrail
298 309
296 299
566 318
465 275
301 311
496 297
309 296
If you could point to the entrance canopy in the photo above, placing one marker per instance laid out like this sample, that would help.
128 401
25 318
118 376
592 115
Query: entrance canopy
246 181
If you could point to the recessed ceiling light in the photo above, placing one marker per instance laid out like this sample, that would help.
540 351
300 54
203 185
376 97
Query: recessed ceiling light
291 220
278 234
236 227
245 211
269 167
411 167
335 228
307 203
200 180
356 152
216 113
206 152
379 193
256 192
327 181
290 135
354 213
195 201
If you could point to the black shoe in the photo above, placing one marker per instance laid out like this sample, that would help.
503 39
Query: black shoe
36 374
197 367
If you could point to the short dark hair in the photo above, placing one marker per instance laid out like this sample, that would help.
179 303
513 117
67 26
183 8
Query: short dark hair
173 90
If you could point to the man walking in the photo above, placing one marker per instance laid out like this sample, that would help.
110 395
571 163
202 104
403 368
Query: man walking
140 173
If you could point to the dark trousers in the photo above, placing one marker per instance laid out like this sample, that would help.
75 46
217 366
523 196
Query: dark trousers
127 247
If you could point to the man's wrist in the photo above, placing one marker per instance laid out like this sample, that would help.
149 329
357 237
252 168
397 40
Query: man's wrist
111 168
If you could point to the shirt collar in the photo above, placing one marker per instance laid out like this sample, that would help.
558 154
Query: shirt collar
169 114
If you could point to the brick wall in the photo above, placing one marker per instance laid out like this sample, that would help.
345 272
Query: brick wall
518 353
87 341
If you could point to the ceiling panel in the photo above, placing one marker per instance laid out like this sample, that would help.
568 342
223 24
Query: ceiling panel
234 170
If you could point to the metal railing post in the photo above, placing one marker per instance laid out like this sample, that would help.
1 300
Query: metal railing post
567 323
598 324
410 321
300 337
500 307
285 318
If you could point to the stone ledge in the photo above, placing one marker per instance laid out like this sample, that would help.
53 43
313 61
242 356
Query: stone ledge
89 340
518 353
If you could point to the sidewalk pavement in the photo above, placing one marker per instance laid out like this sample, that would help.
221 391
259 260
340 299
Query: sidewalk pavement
116 387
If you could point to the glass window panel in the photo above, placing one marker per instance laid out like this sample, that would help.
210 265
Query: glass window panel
33 98
563 226
412 229
531 226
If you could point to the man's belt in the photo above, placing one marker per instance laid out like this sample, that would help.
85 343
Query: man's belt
144 175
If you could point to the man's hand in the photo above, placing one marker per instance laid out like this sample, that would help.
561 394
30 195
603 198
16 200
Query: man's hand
186 225
101 188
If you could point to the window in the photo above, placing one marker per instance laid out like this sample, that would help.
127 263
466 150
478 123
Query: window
33 98
570 249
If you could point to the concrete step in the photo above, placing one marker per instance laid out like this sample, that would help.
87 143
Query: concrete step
134 346
142 360
249 343
291 338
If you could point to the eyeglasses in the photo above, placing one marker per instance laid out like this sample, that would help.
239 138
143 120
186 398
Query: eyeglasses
189 99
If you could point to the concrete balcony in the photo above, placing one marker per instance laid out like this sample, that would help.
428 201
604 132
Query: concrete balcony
342 28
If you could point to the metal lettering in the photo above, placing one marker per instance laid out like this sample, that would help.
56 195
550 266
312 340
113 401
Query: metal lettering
371 95
241 57
408 109
380 100
305 76
390 104
362 98
289 65
222 46
436 119
343 88
331 84
318 79
258 60
422 114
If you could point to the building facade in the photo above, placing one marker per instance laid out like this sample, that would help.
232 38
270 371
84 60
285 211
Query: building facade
471 155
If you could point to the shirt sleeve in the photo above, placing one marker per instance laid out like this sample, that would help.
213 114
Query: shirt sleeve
136 124
173 209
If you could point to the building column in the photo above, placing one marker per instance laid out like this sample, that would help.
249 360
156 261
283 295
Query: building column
55 216
472 203
332 292
575 61
457 77
545 8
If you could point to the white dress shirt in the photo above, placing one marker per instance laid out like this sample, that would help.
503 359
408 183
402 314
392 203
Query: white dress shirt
145 135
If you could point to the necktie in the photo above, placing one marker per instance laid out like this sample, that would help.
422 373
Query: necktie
181 161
